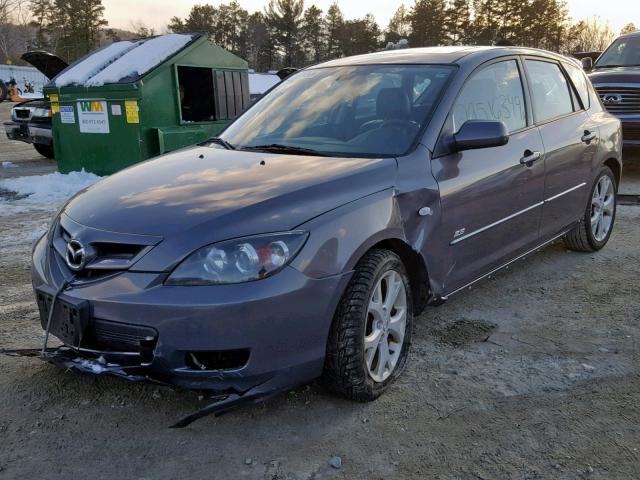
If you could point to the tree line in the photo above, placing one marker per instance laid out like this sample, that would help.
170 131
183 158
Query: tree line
290 33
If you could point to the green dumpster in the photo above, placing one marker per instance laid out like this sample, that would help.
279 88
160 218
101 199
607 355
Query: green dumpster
133 100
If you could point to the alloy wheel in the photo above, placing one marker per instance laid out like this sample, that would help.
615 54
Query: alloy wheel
602 208
385 327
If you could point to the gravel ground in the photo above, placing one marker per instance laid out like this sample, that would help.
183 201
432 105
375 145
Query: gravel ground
532 374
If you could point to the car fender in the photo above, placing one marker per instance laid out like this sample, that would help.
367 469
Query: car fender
340 237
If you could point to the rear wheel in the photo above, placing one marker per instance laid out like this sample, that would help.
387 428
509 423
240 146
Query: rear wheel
44 150
371 332
596 225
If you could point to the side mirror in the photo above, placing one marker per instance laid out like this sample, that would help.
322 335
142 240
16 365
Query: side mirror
587 63
480 134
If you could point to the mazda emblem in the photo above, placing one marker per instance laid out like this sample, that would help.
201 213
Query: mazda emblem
75 257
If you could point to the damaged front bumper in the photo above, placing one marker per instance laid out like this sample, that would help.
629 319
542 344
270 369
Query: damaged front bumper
242 342
99 363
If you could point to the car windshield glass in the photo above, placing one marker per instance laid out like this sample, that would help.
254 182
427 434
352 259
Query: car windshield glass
624 52
374 110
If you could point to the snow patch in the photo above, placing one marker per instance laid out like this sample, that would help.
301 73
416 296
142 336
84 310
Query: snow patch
261 82
140 59
43 192
84 70
9 165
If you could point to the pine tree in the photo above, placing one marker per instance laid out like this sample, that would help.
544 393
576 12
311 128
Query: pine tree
399 25
284 18
41 14
335 26
458 22
360 36
314 34
74 27
428 23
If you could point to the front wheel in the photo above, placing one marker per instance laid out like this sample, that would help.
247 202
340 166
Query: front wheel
44 150
371 331
595 227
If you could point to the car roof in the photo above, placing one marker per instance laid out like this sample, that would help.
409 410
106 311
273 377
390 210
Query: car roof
635 33
437 55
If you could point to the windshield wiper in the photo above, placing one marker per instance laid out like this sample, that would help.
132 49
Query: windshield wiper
222 142
279 148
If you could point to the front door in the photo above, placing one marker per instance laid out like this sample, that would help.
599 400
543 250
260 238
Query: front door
491 198
570 139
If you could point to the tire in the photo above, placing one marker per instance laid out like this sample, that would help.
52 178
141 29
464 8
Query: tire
347 370
3 91
584 237
44 150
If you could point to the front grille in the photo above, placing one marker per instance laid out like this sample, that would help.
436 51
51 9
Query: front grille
22 113
630 132
620 100
106 257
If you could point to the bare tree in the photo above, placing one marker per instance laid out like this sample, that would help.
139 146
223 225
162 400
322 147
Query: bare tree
589 35
15 32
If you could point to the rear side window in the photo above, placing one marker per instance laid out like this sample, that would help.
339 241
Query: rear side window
549 89
579 81
493 93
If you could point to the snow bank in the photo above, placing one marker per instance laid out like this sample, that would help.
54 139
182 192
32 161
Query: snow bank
261 82
91 65
141 59
44 191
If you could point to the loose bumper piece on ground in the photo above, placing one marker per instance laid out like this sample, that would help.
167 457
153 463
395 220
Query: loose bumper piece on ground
83 362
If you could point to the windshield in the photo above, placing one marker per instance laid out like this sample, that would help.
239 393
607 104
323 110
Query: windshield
624 52
375 110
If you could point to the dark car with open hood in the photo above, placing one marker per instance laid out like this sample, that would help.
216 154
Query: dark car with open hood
616 77
305 239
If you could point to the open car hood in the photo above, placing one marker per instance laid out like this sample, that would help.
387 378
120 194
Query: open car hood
47 63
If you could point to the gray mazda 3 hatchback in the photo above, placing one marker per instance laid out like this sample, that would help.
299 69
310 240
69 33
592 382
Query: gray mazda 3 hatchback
304 240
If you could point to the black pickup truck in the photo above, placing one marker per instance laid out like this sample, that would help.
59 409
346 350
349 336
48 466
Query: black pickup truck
616 77
31 120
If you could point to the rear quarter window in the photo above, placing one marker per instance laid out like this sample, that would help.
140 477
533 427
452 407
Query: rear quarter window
580 82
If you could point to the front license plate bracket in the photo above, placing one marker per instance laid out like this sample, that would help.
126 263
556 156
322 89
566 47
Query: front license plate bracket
71 317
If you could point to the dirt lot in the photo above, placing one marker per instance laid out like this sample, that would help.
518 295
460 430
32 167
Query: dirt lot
533 374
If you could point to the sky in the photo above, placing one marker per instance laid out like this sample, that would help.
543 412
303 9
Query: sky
156 13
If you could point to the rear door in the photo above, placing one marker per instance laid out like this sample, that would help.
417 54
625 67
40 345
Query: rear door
570 140
491 199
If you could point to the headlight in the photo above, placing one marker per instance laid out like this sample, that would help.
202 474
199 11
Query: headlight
41 112
240 260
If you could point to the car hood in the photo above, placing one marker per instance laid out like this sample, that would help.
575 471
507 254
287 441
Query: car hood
45 62
213 194
615 75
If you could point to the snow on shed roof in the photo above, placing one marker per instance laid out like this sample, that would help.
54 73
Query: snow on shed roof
121 60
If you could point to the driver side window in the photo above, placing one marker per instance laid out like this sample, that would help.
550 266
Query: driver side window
493 93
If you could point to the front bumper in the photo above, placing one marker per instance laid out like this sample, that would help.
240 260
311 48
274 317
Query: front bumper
39 133
282 322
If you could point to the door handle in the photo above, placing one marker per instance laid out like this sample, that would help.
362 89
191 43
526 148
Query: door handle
588 136
530 157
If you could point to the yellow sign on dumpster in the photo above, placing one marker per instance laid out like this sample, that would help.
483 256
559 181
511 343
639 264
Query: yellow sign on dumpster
131 110
55 106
